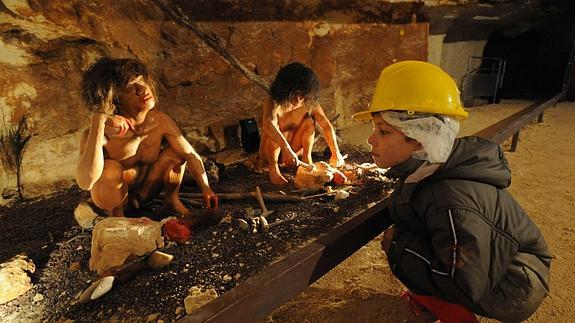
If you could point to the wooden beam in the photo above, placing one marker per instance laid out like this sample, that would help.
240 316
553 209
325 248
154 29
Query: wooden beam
511 125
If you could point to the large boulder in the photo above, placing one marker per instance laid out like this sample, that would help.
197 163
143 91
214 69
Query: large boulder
14 279
117 240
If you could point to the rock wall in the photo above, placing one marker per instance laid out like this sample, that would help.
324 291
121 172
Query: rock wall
455 56
45 45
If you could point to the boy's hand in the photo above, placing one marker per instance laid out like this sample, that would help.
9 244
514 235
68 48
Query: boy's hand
117 126
210 198
289 157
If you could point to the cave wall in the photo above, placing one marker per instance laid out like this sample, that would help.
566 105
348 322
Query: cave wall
45 45
455 56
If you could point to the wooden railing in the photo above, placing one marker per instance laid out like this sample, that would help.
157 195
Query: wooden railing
510 126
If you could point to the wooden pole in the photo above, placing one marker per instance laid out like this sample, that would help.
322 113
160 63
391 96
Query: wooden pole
211 39
248 195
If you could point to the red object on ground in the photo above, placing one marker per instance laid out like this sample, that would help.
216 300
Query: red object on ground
445 312
338 177
174 230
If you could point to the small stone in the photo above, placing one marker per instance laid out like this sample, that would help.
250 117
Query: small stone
197 298
74 266
38 297
85 216
179 310
227 278
215 255
237 276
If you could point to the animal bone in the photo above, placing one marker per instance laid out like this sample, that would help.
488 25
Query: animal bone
265 211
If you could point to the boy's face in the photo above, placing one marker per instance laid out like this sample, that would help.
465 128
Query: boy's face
389 147
137 95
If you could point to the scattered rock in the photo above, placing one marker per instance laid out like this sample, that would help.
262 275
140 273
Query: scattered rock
341 194
14 279
74 266
197 298
97 289
153 317
38 297
159 259
85 216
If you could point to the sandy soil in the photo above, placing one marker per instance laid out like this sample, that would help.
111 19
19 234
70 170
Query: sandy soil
362 288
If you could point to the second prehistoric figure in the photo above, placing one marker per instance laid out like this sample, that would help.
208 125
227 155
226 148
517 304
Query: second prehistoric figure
289 118
132 152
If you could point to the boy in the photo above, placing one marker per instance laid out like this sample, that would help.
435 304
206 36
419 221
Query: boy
131 151
289 118
457 239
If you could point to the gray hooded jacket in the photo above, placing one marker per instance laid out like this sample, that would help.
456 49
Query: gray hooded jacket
460 236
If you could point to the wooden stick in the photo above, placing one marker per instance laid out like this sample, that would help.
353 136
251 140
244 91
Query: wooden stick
211 39
245 196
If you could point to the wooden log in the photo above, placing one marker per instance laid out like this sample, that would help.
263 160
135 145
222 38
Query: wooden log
248 195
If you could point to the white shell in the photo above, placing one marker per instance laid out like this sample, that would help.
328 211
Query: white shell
104 286
159 259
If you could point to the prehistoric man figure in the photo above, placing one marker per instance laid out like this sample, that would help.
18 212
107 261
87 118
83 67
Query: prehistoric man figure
289 118
132 152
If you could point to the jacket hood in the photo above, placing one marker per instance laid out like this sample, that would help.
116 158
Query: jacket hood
476 159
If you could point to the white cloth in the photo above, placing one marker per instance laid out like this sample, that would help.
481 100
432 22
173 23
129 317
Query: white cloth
435 133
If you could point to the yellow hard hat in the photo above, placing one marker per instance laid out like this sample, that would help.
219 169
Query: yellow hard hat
415 86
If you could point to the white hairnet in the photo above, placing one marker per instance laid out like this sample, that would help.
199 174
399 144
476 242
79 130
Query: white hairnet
436 133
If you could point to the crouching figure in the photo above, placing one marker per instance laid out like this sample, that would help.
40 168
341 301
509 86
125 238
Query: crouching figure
131 151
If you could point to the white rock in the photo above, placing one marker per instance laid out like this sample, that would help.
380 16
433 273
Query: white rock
38 297
103 286
159 259
341 195
85 216
14 279
116 239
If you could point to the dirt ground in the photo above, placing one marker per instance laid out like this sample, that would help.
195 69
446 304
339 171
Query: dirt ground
361 289
217 256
